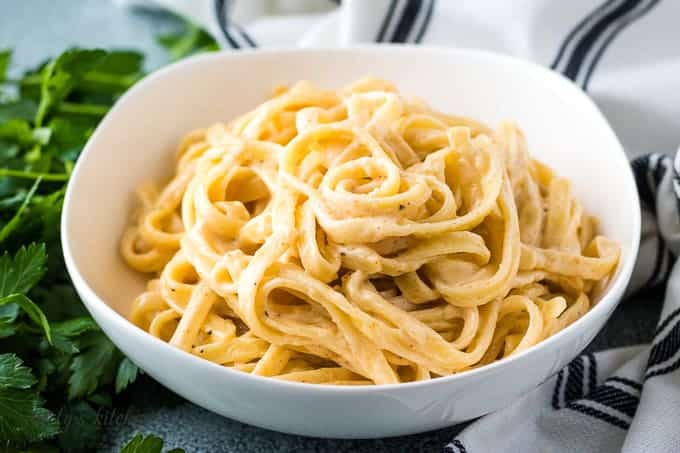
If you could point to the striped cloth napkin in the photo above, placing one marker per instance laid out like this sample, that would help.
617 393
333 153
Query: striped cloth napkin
624 53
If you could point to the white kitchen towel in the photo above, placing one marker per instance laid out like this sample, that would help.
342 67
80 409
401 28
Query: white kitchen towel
625 54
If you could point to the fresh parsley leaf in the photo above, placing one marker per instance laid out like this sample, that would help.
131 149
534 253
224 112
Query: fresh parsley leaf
147 444
22 109
22 415
31 309
93 366
7 329
17 130
114 74
20 273
63 333
127 373
5 56
121 62
189 40
79 427
69 136
13 373
74 327
52 370
59 302
142 444
64 344
61 75
101 399
10 226
8 315
47 209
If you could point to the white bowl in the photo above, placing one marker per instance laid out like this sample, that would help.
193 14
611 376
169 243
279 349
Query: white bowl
136 142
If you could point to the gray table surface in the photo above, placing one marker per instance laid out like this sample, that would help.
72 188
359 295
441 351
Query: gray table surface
37 29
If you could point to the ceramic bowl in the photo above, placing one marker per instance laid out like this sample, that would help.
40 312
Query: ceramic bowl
136 142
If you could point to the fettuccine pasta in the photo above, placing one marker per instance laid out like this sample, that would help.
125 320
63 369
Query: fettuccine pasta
359 237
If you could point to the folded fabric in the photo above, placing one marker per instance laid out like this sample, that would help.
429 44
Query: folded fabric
622 52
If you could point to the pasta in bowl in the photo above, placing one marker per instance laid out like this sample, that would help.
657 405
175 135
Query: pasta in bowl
361 237
337 320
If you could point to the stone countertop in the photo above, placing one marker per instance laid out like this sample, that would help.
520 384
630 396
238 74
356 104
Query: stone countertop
36 29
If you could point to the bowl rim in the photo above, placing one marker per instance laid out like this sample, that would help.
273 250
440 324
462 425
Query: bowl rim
93 302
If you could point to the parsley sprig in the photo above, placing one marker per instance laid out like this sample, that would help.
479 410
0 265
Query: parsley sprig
57 368
147 444
55 363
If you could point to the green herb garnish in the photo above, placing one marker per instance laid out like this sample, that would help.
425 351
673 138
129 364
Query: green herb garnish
147 444
57 368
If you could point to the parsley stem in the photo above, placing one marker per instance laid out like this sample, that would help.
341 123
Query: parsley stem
34 175
83 109
122 81
183 47
14 221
